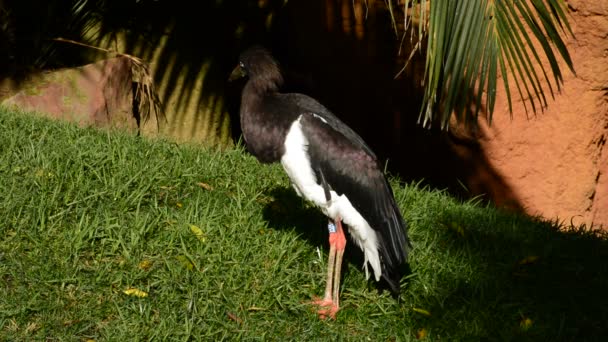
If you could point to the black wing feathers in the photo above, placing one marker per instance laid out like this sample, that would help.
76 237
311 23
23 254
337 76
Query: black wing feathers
307 104
349 169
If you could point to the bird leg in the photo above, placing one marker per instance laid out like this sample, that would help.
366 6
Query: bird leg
329 281
331 300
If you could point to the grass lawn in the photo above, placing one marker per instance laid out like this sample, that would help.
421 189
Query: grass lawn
110 237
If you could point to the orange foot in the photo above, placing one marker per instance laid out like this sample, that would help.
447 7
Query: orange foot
327 308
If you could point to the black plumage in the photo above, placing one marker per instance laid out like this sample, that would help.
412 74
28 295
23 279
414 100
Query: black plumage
342 165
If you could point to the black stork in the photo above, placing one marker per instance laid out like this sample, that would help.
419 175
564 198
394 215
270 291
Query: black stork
328 165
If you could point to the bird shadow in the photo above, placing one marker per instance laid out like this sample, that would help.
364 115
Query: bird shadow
288 211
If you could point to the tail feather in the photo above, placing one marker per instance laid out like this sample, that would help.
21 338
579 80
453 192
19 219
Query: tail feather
393 244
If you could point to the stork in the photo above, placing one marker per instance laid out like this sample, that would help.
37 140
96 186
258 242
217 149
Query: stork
329 165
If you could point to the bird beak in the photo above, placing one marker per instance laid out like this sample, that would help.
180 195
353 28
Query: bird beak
237 73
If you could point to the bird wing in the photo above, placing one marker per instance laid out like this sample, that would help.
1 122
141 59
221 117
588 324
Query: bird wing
348 168
307 104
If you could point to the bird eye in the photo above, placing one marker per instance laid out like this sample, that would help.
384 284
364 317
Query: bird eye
242 65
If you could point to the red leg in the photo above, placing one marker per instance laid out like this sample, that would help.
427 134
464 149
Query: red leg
331 300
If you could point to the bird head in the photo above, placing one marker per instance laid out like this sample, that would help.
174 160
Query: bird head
262 69
238 72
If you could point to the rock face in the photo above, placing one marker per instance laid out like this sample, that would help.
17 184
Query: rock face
98 94
556 162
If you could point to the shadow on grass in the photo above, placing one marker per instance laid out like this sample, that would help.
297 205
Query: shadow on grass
523 278
503 276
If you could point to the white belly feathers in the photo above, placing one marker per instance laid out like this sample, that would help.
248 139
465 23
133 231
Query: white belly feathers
296 162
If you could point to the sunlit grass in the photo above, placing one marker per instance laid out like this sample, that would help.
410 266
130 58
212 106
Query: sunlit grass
107 236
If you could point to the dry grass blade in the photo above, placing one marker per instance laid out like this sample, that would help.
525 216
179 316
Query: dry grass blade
146 96
409 59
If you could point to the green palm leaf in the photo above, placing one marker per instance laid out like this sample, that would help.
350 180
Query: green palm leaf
473 43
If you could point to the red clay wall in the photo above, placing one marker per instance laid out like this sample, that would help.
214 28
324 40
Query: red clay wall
556 163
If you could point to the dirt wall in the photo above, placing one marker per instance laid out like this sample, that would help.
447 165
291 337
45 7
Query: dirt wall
556 162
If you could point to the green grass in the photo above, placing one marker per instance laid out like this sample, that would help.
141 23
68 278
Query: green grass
87 214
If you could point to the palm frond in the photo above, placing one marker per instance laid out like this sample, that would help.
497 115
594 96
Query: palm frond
470 44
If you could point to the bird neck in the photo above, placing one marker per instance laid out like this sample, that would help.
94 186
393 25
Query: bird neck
262 129
256 89
264 84
253 96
